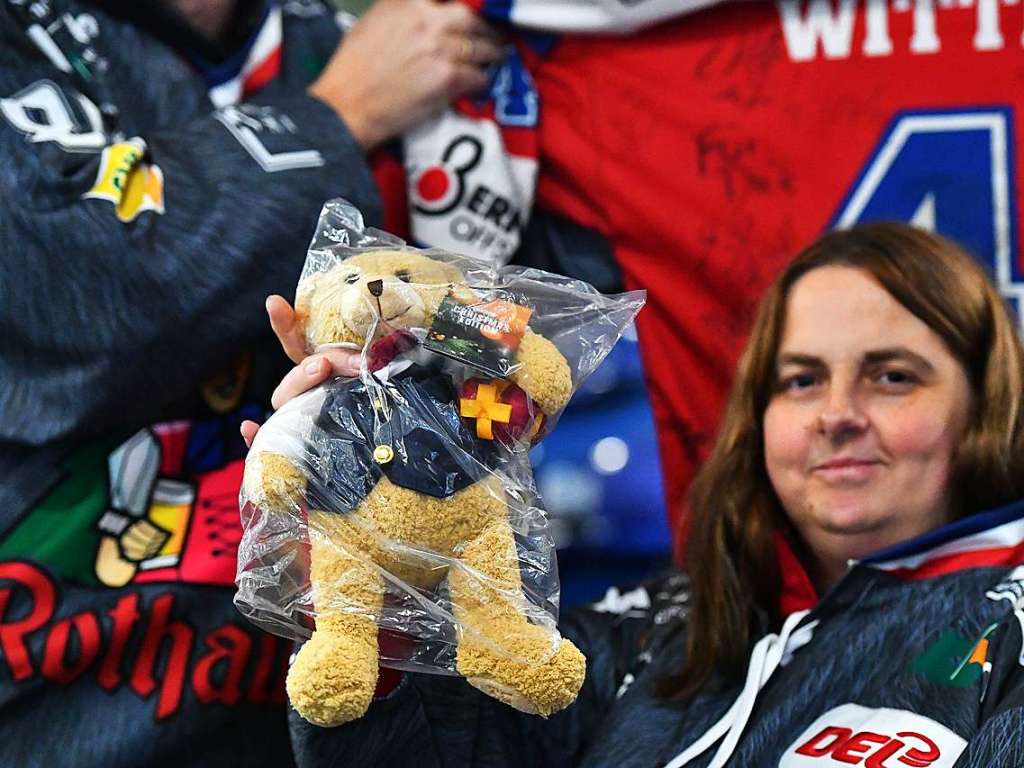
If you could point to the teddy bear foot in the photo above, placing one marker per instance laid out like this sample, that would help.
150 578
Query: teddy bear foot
333 678
540 689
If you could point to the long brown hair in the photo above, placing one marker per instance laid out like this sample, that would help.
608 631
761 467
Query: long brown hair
730 555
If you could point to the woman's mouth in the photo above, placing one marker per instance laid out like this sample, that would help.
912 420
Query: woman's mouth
842 470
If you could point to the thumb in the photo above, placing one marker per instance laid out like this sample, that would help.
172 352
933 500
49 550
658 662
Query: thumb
249 429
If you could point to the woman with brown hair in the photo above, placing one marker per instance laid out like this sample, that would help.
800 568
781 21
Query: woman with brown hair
852 592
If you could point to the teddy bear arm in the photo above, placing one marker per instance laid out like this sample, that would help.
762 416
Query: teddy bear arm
542 372
274 482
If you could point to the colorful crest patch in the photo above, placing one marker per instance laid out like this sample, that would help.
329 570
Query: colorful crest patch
131 184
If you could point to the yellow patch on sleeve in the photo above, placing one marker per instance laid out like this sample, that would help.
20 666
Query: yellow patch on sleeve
132 185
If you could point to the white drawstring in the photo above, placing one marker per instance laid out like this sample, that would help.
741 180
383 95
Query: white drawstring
770 652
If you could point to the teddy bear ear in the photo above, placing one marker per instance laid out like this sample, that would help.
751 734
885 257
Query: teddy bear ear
452 273
306 288
304 296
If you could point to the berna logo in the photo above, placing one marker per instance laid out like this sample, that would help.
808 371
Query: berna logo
439 188
874 738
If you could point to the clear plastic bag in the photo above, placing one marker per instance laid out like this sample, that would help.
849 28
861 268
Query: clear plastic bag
398 508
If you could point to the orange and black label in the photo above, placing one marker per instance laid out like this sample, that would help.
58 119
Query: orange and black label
483 331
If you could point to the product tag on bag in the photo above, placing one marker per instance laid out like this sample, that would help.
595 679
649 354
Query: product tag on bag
483 331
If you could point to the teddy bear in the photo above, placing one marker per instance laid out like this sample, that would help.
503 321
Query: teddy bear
397 477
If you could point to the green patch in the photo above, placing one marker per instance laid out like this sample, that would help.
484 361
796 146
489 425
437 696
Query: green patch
948 661
61 530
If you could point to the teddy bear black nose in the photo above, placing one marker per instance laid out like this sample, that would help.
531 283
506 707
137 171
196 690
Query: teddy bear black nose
375 287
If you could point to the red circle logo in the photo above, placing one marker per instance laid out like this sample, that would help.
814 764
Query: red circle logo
433 184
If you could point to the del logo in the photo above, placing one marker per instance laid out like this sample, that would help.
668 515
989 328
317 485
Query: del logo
875 738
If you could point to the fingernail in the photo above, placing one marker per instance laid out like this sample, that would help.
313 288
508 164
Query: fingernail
313 368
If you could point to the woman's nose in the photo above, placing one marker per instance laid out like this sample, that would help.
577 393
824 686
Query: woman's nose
841 414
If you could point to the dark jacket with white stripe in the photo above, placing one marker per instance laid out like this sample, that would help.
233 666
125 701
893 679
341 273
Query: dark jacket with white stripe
110 319
913 659
108 325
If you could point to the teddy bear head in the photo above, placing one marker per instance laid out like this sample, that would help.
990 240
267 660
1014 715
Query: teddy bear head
372 300
372 294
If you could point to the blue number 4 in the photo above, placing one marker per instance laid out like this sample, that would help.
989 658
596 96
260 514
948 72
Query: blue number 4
949 172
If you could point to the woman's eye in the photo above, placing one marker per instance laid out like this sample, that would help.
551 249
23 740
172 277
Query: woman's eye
351 279
403 275
897 378
799 382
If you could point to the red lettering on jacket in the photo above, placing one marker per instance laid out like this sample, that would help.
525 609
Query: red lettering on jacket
55 652
13 631
855 747
72 645
228 644
259 687
180 635
124 615
915 757
845 746
815 747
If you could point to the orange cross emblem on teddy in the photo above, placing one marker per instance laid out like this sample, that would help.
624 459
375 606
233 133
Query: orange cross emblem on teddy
486 409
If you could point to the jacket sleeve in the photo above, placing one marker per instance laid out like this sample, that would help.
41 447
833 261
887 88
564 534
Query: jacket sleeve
999 742
431 720
132 264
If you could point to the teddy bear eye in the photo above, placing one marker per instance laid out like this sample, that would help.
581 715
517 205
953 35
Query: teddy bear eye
353 278
403 275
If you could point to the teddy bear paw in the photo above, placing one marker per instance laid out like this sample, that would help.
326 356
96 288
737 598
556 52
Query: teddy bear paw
537 689
333 678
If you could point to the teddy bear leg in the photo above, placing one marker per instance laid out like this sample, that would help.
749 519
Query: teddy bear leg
334 674
527 666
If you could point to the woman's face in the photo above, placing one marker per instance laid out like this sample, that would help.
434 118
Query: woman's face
861 430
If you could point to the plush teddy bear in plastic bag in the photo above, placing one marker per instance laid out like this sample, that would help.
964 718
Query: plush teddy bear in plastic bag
392 517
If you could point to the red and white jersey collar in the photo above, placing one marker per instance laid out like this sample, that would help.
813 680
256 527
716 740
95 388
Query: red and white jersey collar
993 538
261 63
990 539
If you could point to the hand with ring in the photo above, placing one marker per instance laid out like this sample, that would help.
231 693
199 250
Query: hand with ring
403 62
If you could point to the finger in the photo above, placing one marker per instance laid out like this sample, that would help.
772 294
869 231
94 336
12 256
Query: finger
458 18
313 371
344 362
466 80
248 430
286 327
302 377
469 49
